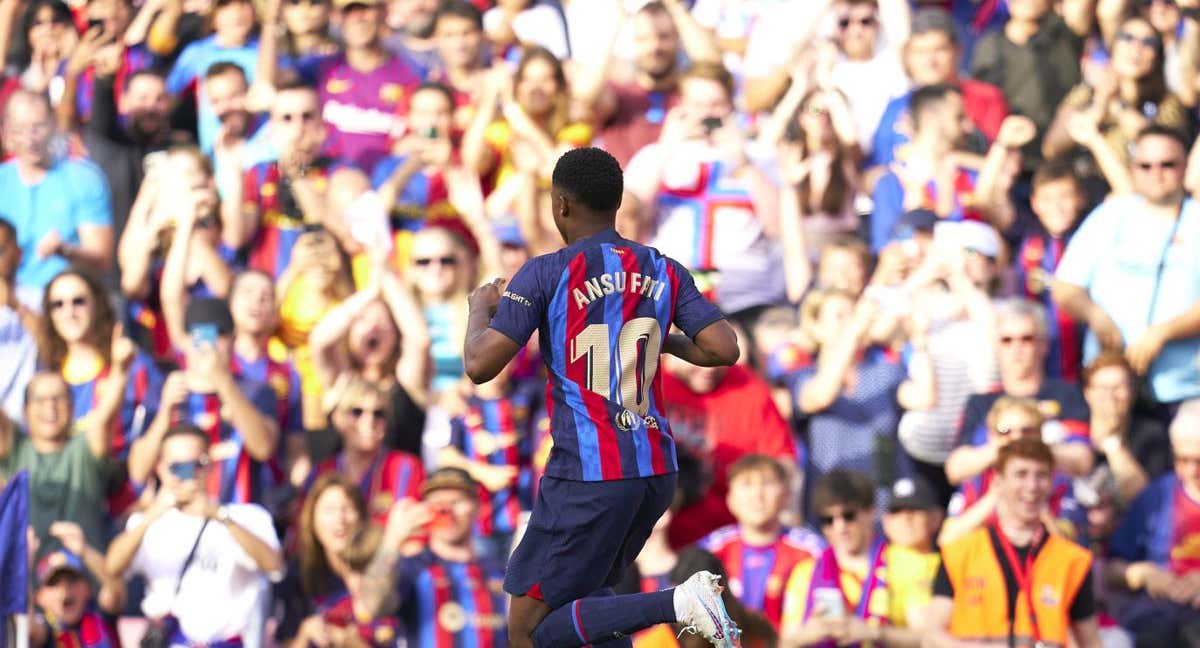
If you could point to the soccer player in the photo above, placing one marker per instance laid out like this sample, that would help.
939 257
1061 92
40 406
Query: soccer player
603 307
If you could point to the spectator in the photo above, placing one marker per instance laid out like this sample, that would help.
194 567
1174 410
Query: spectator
75 227
978 593
525 115
1148 312
18 326
129 123
858 568
698 166
239 142
913 517
442 272
844 264
1155 546
104 44
363 335
82 340
411 23
359 416
719 415
931 57
305 35
203 561
976 501
233 39
1108 387
237 414
45 37
1130 96
820 155
67 473
928 173
433 589
330 519
66 600
1020 342
631 113
853 428
1034 60
461 48
759 552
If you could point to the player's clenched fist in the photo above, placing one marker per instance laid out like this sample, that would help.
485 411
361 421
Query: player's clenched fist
487 296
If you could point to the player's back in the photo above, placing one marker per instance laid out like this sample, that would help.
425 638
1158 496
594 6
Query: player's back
606 305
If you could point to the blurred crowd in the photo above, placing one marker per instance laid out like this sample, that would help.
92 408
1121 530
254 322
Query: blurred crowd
957 238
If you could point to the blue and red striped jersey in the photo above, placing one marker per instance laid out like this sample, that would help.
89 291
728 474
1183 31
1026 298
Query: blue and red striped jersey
498 432
758 575
603 307
393 476
446 604
138 407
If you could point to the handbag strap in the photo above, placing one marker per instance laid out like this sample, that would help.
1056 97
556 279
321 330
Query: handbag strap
187 562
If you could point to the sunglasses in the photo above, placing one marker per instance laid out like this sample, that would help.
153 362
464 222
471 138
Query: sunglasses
865 21
1144 41
1028 338
847 516
1166 165
1023 430
208 222
315 3
358 412
1148 3
447 261
186 470
77 302
303 118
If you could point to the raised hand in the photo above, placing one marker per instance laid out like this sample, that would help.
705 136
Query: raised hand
1016 131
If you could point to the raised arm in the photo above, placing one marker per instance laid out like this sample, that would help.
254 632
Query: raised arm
824 388
135 252
259 431
475 150
485 350
379 592
797 266
324 341
1076 301
139 28
173 293
413 367
699 43
163 38
110 394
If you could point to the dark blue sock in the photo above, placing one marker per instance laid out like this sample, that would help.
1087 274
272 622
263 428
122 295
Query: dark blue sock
603 619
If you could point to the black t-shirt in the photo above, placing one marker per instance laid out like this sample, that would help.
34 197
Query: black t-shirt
1082 606
1059 400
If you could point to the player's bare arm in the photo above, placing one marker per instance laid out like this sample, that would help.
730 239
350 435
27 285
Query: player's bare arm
715 346
486 351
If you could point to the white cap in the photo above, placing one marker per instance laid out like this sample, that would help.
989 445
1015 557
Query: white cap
981 237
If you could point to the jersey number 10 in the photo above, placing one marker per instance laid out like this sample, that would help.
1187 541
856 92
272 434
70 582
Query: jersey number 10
638 346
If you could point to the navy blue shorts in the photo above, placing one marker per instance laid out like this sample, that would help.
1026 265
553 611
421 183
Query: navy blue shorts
583 535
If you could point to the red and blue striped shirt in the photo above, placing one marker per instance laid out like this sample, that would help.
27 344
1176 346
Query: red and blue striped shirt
603 307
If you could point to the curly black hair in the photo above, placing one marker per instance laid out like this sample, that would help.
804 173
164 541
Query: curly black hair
591 176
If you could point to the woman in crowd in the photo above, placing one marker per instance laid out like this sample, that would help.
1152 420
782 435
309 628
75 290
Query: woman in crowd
77 331
530 110
380 334
333 513
45 38
442 271
358 415
1108 387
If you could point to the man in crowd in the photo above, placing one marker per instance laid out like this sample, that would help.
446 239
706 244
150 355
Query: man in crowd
914 515
758 551
446 589
703 200
411 23
67 604
203 561
1128 272
1021 347
1156 547
931 57
61 208
985 589
720 415
458 36
846 594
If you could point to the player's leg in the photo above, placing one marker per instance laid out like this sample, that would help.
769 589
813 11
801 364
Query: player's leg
524 614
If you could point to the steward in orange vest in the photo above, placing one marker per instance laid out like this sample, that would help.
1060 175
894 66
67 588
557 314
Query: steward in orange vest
1013 583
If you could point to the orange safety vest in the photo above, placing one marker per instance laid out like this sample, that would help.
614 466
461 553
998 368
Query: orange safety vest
981 595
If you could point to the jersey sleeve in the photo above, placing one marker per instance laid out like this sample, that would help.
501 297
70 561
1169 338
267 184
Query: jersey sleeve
693 312
523 304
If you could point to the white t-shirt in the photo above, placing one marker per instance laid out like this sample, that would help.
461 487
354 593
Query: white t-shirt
220 587
704 218
869 87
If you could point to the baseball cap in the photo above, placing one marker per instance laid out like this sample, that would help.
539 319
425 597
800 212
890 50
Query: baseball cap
932 19
209 310
911 493
58 562
980 237
455 478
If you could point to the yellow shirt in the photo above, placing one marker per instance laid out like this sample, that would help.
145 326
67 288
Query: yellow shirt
909 576
499 136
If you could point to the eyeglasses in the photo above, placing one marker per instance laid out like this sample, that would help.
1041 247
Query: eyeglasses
1148 3
1165 165
77 302
186 470
208 222
1144 41
1020 430
447 261
304 117
865 21
848 516
359 412
1028 338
